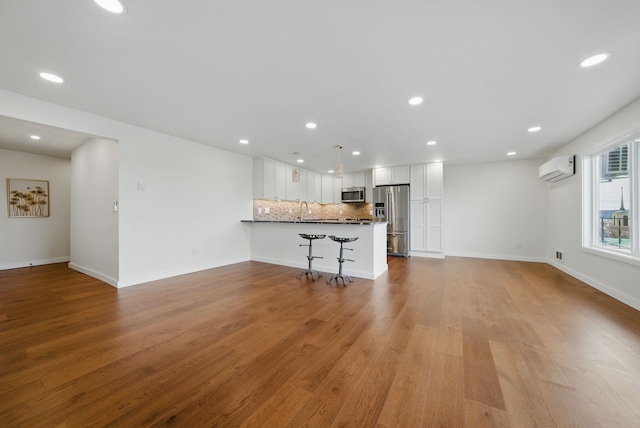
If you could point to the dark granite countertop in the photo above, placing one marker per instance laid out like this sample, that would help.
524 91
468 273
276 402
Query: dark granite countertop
315 221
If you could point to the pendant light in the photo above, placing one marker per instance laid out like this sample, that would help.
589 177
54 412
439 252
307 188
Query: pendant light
337 171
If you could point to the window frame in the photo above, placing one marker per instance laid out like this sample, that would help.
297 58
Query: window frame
591 167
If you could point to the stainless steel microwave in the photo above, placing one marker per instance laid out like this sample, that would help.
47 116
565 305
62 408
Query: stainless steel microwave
352 194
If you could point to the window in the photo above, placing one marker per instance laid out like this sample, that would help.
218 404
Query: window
612 182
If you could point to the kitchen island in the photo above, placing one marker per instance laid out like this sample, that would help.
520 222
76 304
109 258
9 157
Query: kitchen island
278 242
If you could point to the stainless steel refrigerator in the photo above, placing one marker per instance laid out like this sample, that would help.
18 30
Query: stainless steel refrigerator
391 204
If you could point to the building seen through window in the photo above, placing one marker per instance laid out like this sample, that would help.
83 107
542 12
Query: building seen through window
614 198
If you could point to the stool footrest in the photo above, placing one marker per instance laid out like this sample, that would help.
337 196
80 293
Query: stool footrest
344 279
310 272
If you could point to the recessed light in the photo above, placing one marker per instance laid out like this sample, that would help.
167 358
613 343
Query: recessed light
243 141
113 6
330 171
438 161
35 137
300 160
51 77
356 153
310 125
431 143
511 153
534 129
415 101
593 60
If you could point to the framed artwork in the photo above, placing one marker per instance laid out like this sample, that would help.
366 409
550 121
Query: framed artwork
27 198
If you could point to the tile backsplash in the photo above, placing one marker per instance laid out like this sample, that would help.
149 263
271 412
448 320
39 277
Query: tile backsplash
288 210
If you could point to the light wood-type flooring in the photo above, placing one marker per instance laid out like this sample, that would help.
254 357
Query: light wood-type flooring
458 342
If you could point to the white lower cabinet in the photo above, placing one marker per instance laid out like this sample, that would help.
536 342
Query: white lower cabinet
426 227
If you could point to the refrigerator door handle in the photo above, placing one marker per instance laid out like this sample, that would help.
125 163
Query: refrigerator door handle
389 207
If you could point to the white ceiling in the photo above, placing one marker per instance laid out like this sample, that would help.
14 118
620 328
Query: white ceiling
217 71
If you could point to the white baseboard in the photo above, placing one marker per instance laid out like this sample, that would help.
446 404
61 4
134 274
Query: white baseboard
509 257
176 272
28 263
427 254
622 297
95 274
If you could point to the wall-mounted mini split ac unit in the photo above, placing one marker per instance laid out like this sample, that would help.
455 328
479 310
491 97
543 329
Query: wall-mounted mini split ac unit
557 168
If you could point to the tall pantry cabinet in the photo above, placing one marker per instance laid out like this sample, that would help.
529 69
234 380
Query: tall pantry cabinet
427 203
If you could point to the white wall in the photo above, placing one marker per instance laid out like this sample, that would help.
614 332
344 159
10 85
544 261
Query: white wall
94 224
34 241
615 278
495 210
193 199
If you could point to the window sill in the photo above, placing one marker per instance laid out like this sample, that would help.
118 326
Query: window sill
614 255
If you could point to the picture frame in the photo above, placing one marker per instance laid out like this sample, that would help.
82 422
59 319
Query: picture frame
27 198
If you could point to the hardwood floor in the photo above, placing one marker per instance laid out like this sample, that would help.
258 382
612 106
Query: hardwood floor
432 343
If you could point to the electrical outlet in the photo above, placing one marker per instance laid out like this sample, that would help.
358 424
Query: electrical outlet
560 256
260 210
266 210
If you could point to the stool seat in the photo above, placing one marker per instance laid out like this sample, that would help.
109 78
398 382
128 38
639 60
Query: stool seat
341 259
309 236
335 238
310 257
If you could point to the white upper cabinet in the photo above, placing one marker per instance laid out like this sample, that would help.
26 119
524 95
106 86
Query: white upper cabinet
347 180
391 175
354 179
327 189
426 181
337 190
269 179
296 190
435 180
314 187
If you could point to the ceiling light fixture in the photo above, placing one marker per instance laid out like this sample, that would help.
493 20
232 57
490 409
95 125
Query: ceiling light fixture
337 171
534 129
113 6
300 160
431 143
594 60
243 141
438 161
511 153
311 125
356 153
35 137
415 101
51 77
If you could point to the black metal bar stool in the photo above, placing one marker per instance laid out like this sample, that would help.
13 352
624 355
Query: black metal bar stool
310 257
341 259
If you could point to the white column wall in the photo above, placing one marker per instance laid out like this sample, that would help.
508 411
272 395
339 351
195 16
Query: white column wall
35 241
94 224
495 210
